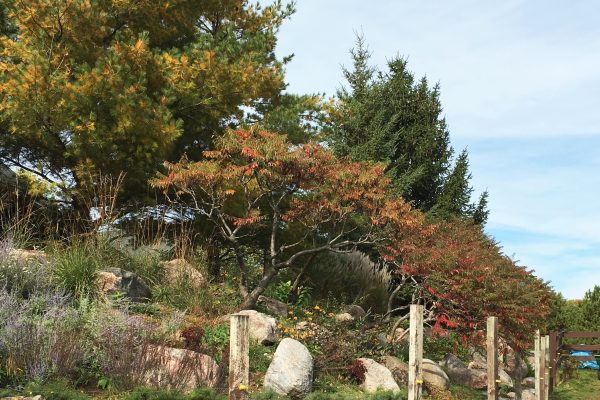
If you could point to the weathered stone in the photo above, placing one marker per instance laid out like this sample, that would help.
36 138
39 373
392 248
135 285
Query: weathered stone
116 280
434 375
28 256
458 373
274 307
504 377
179 369
399 369
528 394
344 317
179 270
262 327
291 370
529 382
356 311
377 377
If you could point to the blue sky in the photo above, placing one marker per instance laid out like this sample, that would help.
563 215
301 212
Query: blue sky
520 84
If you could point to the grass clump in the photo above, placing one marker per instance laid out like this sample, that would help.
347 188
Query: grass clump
152 394
74 269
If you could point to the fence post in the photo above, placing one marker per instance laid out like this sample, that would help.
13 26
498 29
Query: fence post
239 363
415 355
542 368
492 358
538 381
547 367
553 359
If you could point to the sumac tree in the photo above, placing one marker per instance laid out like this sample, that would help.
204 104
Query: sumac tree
301 197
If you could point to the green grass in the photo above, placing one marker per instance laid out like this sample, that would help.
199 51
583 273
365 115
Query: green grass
584 386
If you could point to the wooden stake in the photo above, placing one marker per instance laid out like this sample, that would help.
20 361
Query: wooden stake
415 355
538 381
547 367
543 373
492 358
239 362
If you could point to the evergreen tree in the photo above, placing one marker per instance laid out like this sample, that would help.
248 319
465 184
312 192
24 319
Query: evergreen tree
393 118
106 87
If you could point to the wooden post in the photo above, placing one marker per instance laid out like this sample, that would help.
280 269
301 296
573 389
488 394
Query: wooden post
239 362
538 367
415 355
492 358
547 367
553 359
542 362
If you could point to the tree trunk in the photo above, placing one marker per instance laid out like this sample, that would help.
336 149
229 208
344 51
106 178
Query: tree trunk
213 259
243 284
251 299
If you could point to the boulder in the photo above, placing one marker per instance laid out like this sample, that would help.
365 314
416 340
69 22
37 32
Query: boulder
505 377
23 256
291 370
262 327
274 307
118 281
528 394
458 373
434 375
399 369
529 382
344 317
356 311
377 377
178 369
179 270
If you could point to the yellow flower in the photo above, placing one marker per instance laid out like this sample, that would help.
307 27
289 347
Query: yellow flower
242 387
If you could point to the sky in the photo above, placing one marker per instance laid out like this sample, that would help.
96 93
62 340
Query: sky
520 86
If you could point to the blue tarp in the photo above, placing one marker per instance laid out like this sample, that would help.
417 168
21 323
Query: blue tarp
586 364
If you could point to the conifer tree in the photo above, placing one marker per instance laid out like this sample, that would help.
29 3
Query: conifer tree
393 118
106 87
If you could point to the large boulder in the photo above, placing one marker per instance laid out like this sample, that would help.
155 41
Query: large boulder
262 327
274 307
179 270
178 369
504 377
528 394
458 373
434 375
399 369
377 377
118 281
356 311
529 382
291 370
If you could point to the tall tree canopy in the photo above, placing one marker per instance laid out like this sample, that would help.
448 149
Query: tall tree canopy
393 118
109 86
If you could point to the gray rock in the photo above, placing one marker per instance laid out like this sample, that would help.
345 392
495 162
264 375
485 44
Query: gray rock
275 307
377 377
356 311
344 317
262 327
528 394
179 369
399 369
291 370
505 377
458 373
116 280
435 375
529 382
179 270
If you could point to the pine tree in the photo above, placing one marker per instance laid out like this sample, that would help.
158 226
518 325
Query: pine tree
105 87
